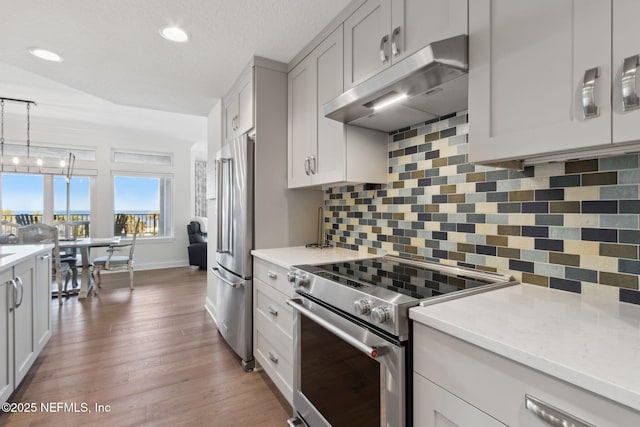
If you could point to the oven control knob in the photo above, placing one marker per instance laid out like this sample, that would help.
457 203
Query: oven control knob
362 306
380 314
291 276
301 280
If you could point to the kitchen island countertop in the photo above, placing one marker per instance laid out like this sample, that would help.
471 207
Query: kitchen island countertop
11 255
299 255
591 342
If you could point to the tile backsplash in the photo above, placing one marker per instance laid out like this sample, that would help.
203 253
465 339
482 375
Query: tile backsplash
571 226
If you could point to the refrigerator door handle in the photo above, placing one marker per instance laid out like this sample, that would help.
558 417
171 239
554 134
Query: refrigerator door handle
215 271
225 195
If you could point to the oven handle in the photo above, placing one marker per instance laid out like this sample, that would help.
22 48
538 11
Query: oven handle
372 352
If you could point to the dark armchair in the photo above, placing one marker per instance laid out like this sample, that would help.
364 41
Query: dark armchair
197 245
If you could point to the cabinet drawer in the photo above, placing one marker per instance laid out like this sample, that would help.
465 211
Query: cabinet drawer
271 303
497 385
274 352
273 275
436 407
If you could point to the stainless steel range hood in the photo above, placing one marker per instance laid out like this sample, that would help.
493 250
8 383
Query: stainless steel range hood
430 83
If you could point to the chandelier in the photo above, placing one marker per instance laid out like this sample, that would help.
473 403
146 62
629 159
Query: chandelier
29 159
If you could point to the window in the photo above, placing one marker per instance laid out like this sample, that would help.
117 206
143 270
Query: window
22 194
80 202
147 198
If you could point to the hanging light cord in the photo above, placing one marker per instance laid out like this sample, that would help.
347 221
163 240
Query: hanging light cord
2 137
28 137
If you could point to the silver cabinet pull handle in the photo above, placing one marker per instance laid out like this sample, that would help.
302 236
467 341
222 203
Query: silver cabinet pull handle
14 285
272 311
551 415
372 352
273 358
272 275
630 100
395 50
589 107
313 168
383 52
306 166
18 280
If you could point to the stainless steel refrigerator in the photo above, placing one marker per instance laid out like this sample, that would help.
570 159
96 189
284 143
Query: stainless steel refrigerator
233 268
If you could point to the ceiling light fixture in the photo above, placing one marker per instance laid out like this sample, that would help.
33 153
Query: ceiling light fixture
47 55
174 34
21 156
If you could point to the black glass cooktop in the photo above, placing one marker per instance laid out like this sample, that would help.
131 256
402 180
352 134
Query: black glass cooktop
408 279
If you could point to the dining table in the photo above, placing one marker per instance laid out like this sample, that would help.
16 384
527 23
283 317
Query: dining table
84 245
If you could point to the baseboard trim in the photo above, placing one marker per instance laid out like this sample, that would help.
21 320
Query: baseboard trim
211 309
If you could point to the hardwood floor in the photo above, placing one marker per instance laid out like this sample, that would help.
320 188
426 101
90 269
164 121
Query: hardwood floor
153 355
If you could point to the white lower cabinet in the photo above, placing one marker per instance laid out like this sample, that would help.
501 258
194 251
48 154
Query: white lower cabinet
459 384
436 407
6 335
273 325
23 339
42 302
25 318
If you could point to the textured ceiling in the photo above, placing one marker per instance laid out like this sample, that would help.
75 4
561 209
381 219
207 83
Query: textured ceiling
112 48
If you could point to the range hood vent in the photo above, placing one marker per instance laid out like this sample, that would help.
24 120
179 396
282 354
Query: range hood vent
430 83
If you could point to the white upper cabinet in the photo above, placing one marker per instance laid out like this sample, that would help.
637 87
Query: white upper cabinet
300 122
366 47
626 48
541 77
237 107
330 152
324 151
416 23
383 32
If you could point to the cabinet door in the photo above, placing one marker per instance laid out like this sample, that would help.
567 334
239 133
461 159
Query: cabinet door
6 337
301 122
416 23
528 62
626 44
329 137
230 112
42 301
245 104
364 33
436 407
24 342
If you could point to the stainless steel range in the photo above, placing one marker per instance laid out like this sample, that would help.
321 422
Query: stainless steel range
352 348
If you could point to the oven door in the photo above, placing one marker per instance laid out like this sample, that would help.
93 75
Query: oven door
345 374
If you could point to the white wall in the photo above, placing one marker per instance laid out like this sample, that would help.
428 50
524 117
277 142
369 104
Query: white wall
68 118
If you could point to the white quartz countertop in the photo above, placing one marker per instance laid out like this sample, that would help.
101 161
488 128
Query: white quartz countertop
10 255
587 341
299 255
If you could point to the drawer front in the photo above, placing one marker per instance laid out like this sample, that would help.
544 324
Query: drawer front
274 352
436 407
271 304
497 385
273 275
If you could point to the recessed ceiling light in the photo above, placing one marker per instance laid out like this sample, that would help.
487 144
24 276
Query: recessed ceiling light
47 55
174 34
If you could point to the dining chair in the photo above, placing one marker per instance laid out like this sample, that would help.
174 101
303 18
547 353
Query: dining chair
38 233
120 225
8 232
113 262
68 230
26 219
